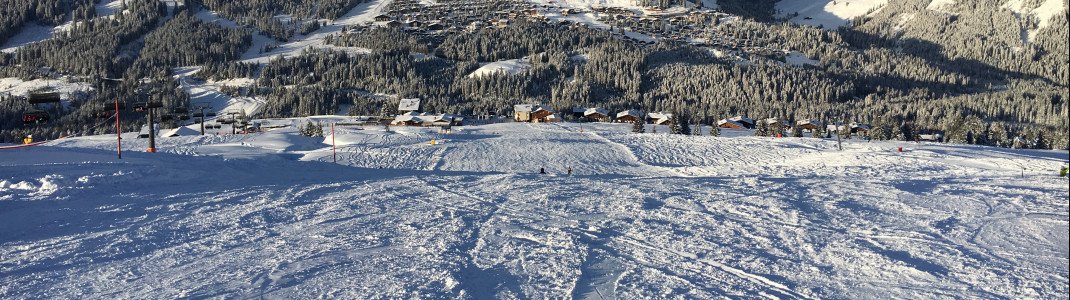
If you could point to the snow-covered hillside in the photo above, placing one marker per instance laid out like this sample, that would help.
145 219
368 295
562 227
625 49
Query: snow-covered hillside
828 13
642 216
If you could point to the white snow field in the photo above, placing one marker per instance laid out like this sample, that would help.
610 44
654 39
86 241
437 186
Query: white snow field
642 216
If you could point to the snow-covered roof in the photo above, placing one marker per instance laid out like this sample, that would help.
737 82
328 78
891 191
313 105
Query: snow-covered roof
810 121
411 104
526 107
630 112
734 123
657 115
181 131
742 119
406 118
595 110
425 118
772 120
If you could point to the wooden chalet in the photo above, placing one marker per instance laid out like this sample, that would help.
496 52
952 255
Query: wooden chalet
534 113
596 114
809 124
659 118
745 121
629 116
729 124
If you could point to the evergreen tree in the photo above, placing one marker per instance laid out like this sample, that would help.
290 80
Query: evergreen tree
1040 142
312 130
679 124
998 135
638 126
762 129
715 130
796 131
905 132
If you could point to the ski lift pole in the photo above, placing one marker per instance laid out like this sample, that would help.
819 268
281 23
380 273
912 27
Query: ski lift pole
118 131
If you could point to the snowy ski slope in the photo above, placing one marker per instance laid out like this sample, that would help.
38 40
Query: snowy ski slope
642 216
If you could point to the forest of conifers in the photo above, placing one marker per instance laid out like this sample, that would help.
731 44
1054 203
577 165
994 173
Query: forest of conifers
966 74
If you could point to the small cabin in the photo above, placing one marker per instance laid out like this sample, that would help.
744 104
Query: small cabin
859 128
809 125
935 137
659 118
577 112
436 26
383 18
729 124
596 114
414 24
629 116
775 123
408 119
745 121
534 113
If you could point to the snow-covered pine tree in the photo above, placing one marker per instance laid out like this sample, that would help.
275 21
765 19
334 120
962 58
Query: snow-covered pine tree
762 129
684 125
905 132
312 130
676 126
637 126
796 131
1040 142
997 135
715 130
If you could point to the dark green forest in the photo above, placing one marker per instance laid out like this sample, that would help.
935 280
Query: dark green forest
969 75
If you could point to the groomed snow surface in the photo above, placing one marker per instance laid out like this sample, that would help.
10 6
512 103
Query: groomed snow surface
643 216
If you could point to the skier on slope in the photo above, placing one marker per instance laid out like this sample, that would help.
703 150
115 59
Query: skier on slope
542 171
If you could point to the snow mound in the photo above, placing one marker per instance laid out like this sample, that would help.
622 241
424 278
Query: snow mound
181 131
502 67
